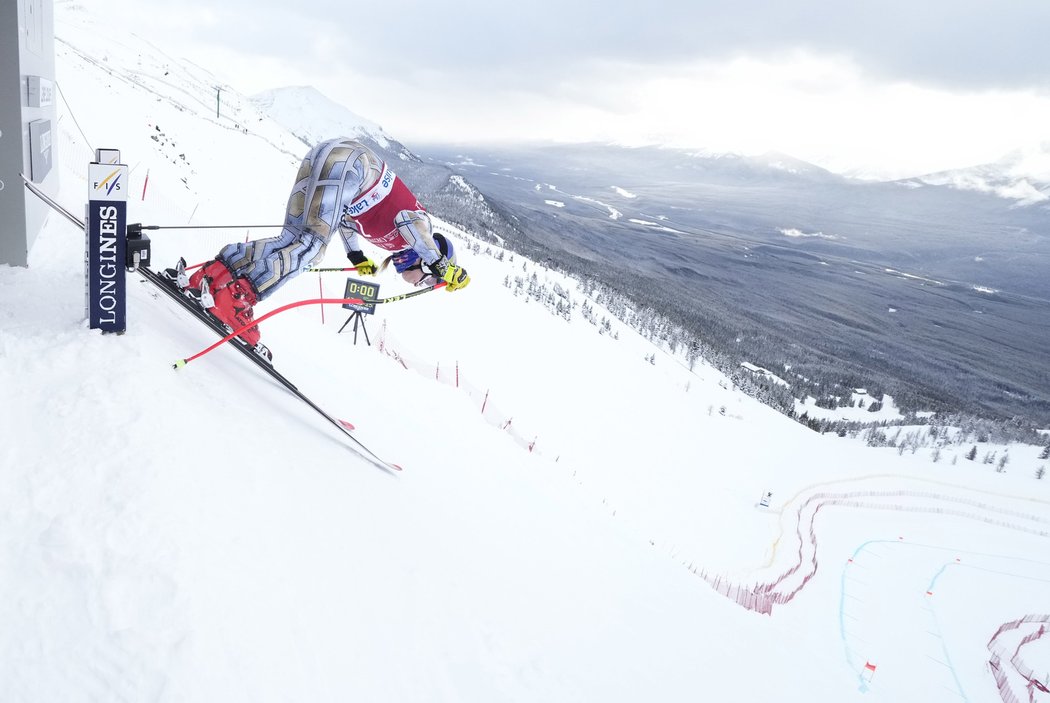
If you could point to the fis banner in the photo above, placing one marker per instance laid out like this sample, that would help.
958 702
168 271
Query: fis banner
106 246
356 288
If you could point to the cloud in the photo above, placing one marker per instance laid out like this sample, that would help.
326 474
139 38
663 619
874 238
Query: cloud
818 108
892 87
971 44
957 44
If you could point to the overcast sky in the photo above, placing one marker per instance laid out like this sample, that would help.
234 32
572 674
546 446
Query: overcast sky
892 87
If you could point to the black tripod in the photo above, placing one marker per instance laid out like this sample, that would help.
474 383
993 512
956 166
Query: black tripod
359 319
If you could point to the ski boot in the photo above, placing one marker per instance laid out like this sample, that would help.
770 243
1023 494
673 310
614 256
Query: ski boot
230 300
227 301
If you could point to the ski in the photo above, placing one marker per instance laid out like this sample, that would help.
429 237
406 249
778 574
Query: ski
263 362
168 287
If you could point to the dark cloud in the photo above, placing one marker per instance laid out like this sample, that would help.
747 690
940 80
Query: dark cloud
970 44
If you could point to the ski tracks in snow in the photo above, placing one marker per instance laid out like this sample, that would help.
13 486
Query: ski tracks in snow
901 599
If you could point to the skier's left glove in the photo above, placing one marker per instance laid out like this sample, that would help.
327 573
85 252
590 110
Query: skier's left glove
455 277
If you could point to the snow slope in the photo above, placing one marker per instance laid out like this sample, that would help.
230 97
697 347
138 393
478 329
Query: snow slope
313 117
199 535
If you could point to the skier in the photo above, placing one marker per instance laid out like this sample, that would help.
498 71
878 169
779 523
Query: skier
344 185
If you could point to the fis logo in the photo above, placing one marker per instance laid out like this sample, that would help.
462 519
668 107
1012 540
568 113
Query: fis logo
110 183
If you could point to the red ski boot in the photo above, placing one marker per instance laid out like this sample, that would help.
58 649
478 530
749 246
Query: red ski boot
228 299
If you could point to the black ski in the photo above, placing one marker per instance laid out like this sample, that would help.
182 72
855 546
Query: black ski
263 363
166 285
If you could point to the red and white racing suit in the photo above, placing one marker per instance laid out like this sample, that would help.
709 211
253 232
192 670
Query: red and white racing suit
344 185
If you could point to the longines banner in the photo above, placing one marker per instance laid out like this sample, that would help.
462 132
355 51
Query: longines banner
106 246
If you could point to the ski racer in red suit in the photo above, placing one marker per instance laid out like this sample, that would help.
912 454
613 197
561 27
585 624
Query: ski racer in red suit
341 185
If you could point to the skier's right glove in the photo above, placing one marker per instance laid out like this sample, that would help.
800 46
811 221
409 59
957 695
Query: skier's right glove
362 264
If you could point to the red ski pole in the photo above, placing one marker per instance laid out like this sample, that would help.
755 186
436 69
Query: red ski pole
317 301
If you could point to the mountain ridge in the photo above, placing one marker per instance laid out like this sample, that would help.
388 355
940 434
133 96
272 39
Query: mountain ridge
1022 176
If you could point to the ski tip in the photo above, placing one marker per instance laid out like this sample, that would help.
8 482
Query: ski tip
179 364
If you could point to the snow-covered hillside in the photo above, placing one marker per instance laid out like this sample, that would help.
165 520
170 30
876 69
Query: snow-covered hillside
574 522
313 117
1022 175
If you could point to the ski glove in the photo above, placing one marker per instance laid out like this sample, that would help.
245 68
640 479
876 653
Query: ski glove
366 267
456 277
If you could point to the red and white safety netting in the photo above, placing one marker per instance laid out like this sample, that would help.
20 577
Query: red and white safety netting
450 374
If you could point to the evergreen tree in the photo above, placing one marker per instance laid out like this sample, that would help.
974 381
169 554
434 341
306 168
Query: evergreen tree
972 454
1046 452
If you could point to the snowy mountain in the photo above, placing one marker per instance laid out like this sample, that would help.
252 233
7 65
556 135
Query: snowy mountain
1022 175
583 515
313 117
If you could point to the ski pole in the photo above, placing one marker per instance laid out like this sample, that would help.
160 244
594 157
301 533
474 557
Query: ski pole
317 301
329 270
395 298
209 226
